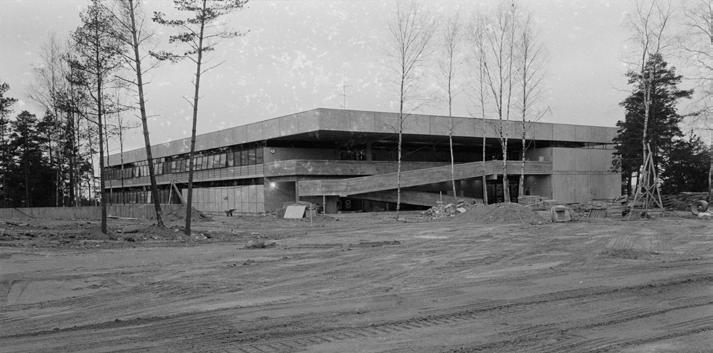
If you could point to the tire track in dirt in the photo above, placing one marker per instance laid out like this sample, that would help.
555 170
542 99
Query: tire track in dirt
220 339
215 330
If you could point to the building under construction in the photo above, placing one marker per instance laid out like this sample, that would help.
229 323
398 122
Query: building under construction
345 160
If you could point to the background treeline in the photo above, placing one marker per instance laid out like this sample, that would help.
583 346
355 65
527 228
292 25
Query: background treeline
45 161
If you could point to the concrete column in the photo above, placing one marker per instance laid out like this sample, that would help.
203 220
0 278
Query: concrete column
330 206
369 157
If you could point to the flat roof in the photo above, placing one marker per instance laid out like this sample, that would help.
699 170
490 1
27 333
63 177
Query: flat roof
359 121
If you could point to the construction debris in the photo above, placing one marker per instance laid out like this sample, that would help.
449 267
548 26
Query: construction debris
260 244
441 209
699 207
503 213
561 213
682 201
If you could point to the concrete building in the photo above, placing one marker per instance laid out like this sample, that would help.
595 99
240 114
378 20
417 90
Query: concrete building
345 161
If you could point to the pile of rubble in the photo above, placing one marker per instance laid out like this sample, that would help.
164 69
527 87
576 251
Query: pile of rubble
504 213
682 201
442 209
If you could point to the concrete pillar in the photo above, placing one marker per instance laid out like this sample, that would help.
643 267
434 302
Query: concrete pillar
369 156
330 206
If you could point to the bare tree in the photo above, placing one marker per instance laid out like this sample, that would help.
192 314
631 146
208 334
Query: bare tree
47 90
97 58
531 71
451 43
498 70
411 31
200 35
131 31
477 40
649 23
699 20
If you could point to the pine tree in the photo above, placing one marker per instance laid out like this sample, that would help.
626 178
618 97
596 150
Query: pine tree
30 177
663 117
98 53
200 35
5 110
685 166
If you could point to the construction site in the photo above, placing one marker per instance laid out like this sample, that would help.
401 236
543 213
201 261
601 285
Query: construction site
296 248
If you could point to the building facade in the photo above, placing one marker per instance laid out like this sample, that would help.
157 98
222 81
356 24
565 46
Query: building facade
345 160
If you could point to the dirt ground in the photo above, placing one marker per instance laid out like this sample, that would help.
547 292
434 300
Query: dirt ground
362 283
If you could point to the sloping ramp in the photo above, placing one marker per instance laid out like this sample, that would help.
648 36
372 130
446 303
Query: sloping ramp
412 197
387 181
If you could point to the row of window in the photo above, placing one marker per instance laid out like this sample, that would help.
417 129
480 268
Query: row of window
233 157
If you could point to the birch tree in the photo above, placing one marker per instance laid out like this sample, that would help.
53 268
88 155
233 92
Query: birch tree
200 34
131 31
499 73
449 64
411 31
531 71
47 90
479 55
649 23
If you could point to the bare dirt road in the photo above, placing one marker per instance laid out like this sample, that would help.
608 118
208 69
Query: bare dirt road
367 284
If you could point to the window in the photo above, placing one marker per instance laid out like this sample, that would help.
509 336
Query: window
259 155
204 162
209 162
221 160
251 156
230 159
244 157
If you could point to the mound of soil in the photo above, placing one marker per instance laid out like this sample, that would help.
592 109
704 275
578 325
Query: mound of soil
503 213
180 214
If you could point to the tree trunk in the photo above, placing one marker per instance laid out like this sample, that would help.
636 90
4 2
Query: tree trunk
521 183
710 176
100 113
189 198
398 160
121 157
398 165
506 183
450 133
3 161
106 144
144 120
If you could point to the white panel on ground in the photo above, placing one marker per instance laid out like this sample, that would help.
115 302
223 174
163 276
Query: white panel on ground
295 211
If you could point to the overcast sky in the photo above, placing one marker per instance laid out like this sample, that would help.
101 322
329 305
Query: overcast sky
299 54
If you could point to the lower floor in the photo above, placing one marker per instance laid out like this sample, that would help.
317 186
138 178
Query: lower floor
567 175
265 195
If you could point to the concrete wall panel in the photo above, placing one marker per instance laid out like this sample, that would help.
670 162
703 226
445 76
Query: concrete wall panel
271 127
363 121
439 126
254 132
417 124
563 132
541 131
359 121
387 123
